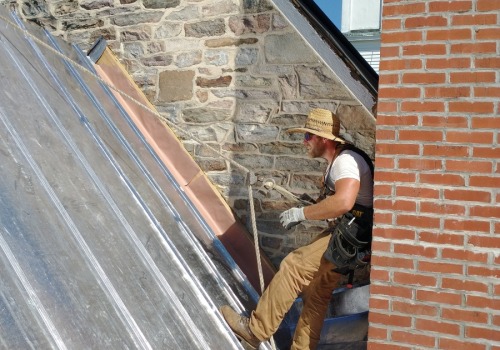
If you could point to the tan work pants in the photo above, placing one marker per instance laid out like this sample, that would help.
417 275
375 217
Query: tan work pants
302 271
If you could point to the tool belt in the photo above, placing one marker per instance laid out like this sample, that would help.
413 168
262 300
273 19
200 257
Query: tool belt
350 242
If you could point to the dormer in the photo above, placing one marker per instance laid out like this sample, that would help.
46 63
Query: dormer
360 23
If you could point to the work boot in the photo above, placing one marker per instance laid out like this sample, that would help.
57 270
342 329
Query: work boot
239 325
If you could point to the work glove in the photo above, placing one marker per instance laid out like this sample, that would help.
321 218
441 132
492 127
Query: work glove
292 217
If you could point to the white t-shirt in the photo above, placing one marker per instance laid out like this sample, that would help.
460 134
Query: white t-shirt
349 164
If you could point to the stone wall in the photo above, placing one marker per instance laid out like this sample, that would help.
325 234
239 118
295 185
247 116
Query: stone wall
233 73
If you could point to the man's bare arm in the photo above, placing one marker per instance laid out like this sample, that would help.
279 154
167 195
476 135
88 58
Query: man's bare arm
346 191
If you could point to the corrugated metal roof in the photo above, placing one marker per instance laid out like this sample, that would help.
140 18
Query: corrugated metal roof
99 247
100 244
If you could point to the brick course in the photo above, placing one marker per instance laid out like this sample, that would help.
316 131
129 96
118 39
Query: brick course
435 266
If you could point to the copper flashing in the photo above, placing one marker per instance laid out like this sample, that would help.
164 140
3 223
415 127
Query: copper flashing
193 181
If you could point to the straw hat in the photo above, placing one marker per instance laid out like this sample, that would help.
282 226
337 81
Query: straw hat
323 123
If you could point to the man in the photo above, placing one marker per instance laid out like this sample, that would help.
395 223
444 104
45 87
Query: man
348 194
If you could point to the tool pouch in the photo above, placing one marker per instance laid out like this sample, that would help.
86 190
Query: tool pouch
345 249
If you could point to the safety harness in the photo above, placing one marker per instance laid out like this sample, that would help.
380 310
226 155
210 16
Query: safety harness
349 247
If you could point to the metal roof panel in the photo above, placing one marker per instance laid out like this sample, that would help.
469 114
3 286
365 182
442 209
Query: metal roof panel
99 247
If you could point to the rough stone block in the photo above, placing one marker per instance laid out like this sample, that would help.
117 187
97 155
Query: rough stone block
279 22
217 82
234 178
80 38
205 115
288 137
176 45
297 164
253 81
289 86
167 30
359 125
95 4
35 8
248 94
211 164
214 27
288 48
216 57
254 161
106 33
318 81
160 4
137 18
256 133
279 148
81 23
272 242
202 95
215 133
188 59
175 86
63 8
253 6
240 147
153 47
275 205
254 112
303 107
309 181
133 49
136 34
222 104
219 8
222 42
289 120
184 14
250 24
157 60
246 56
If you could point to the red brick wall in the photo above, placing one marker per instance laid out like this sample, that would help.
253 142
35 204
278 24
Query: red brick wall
437 230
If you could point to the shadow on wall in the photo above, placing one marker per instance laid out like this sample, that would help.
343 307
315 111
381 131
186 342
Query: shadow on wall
277 78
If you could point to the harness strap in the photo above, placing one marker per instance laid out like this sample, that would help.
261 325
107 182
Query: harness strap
367 159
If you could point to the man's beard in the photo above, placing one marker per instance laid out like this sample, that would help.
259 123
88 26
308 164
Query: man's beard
315 151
